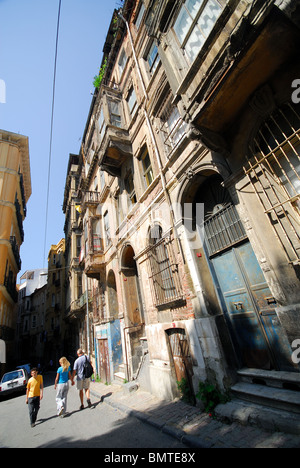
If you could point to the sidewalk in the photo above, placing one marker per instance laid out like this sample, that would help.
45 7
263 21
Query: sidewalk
187 423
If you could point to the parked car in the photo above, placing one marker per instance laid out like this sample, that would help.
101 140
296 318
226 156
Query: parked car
14 381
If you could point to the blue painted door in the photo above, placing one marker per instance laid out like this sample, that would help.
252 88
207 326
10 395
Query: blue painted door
256 332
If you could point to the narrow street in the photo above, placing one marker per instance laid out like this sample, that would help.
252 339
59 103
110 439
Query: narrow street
98 427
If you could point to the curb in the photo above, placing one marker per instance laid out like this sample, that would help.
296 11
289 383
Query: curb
178 434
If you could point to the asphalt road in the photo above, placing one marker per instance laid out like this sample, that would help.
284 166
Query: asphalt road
98 427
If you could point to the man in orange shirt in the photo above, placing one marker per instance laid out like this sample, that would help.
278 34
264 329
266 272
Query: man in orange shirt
34 394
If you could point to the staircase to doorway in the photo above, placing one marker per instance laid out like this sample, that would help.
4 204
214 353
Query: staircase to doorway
142 371
268 399
120 376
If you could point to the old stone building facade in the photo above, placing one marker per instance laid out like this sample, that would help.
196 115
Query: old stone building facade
188 187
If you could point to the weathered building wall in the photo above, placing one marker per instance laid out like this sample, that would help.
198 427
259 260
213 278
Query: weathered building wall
213 286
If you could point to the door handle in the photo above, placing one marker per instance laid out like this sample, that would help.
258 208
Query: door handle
238 305
271 300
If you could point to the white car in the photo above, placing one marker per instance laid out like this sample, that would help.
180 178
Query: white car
14 381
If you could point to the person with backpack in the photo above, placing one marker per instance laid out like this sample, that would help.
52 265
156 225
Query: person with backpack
83 369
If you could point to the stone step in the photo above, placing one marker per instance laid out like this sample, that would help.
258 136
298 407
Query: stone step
266 418
287 400
119 377
284 380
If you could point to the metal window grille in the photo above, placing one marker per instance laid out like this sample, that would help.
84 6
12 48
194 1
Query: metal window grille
223 229
274 172
173 126
164 274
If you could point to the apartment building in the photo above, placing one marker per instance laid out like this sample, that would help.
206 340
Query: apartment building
75 286
15 190
189 193
55 324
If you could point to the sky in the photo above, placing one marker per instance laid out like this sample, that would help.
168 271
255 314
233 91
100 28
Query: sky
27 53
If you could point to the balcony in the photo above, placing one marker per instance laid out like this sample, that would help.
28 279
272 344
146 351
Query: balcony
23 194
95 258
19 218
11 289
91 198
15 250
115 144
230 84
116 150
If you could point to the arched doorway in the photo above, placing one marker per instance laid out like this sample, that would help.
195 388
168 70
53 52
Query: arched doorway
114 341
243 292
113 303
182 360
134 322
131 286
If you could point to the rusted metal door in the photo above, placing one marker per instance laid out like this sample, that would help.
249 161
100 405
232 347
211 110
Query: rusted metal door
104 360
181 356
259 338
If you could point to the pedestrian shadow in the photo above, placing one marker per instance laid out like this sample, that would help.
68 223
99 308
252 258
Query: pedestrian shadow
55 416
71 413
105 396
94 405
43 420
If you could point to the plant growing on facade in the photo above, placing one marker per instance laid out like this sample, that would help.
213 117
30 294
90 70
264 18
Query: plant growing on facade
98 78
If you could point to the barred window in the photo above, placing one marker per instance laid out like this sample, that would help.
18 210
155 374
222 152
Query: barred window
173 127
223 229
274 172
164 275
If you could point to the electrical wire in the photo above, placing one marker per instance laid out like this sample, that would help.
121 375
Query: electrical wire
51 129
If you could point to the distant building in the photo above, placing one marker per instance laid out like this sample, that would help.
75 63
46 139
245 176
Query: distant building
31 315
15 190
55 307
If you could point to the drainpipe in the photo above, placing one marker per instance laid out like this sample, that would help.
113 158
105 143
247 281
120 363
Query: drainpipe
87 317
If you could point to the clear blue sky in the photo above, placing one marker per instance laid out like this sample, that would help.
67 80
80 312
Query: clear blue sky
27 51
